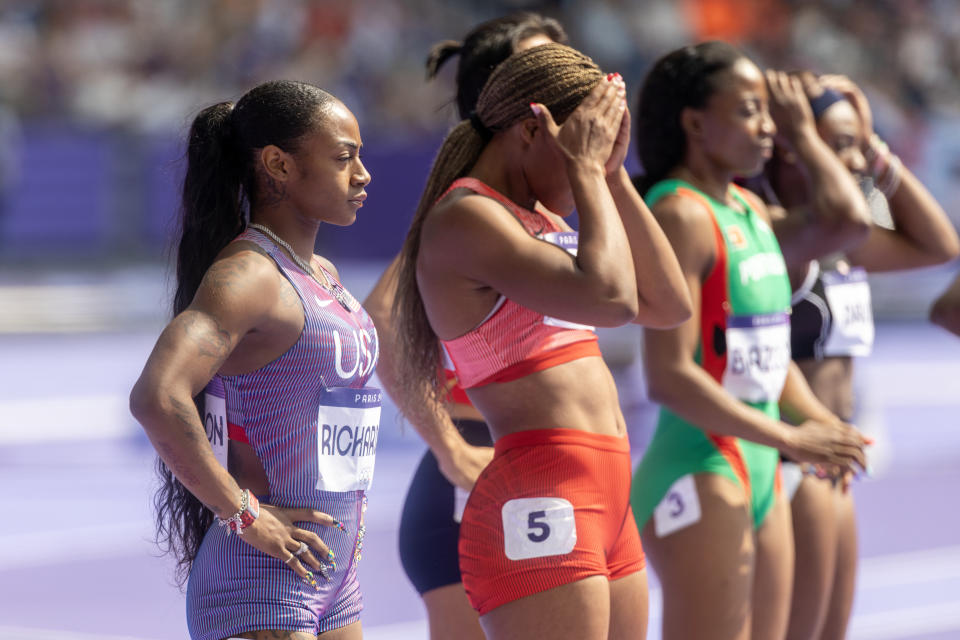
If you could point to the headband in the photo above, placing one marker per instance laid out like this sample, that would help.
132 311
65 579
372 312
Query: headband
824 101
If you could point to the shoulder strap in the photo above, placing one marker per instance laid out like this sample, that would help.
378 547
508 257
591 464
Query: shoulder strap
533 221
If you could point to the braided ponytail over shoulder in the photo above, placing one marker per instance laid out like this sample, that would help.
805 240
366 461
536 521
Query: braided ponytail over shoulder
551 74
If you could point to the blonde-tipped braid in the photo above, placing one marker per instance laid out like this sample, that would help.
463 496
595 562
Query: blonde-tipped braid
552 74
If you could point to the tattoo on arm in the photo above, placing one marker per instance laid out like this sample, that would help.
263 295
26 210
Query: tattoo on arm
187 416
289 297
212 340
180 468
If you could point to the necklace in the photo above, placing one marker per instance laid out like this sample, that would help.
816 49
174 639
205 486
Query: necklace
336 292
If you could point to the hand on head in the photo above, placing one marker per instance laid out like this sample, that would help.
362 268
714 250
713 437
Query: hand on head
622 144
789 106
854 96
593 130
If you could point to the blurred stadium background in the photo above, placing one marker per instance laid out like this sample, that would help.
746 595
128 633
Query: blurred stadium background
95 99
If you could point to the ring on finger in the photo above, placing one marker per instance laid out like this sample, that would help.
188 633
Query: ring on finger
287 561
302 549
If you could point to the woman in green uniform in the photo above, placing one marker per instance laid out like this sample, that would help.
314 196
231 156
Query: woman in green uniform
705 495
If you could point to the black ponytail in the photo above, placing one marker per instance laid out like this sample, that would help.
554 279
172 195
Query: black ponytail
211 207
485 47
219 186
439 54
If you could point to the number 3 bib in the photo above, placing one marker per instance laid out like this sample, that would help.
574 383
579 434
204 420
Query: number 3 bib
348 423
758 355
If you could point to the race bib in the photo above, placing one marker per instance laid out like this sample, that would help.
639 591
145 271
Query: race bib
758 354
679 509
348 422
538 527
851 329
215 419
568 241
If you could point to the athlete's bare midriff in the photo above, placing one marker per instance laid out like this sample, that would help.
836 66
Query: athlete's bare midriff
580 394
460 411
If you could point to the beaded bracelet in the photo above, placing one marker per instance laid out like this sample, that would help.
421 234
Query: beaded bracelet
877 155
249 511
891 178
885 167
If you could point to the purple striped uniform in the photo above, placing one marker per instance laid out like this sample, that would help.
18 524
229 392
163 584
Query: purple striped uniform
314 425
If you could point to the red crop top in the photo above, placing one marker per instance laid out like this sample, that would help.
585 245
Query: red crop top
514 341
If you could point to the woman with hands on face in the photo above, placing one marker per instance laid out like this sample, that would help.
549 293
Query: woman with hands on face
276 345
459 442
831 239
706 494
547 547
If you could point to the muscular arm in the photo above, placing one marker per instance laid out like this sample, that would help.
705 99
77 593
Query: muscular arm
797 401
661 289
481 244
476 239
922 234
460 462
836 217
235 294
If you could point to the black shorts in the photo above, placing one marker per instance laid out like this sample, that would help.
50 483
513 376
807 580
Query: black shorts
430 522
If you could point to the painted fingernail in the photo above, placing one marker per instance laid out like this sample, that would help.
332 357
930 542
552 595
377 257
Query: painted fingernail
330 554
337 523
868 440
536 110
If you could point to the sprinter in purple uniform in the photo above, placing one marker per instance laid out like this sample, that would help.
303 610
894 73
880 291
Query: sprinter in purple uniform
284 353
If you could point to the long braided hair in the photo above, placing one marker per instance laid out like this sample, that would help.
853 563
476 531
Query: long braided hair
552 74
218 188
685 77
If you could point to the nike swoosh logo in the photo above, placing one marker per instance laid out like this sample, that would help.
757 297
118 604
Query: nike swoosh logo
322 303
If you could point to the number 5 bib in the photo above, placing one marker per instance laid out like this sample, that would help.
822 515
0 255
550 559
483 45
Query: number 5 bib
758 355
348 423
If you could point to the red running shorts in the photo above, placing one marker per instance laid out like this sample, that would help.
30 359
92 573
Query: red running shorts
551 508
